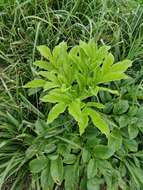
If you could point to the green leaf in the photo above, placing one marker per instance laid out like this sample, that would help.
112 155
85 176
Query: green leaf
124 120
115 140
54 97
69 158
109 90
94 184
43 65
121 66
95 104
50 85
35 83
81 80
109 59
71 176
37 165
75 110
48 75
50 148
91 168
112 76
47 182
121 107
56 111
40 127
57 170
139 154
31 151
133 131
111 72
102 52
83 123
140 112
98 121
140 124
103 151
131 145
108 107
139 173
85 155
45 51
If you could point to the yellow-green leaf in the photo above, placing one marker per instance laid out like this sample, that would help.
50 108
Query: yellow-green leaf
75 110
45 51
43 65
109 59
121 66
35 83
50 85
98 121
55 111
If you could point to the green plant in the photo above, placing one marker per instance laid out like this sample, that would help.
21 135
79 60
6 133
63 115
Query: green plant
72 80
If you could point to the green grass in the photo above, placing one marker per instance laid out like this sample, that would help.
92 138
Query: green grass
25 24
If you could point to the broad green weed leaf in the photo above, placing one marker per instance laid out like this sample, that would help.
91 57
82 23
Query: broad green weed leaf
112 76
50 85
102 52
47 182
109 59
81 80
69 159
108 108
45 51
71 176
95 104
37 165
139 154
121 107
48 75
109 90
56 111
131 145
121 66
40 127
83 123
54 97
124 120
43 65
91 168
81 117
57 170
98 121
94 184
133 131
85 155
115 140
35 83
103 151
75 110
31 151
